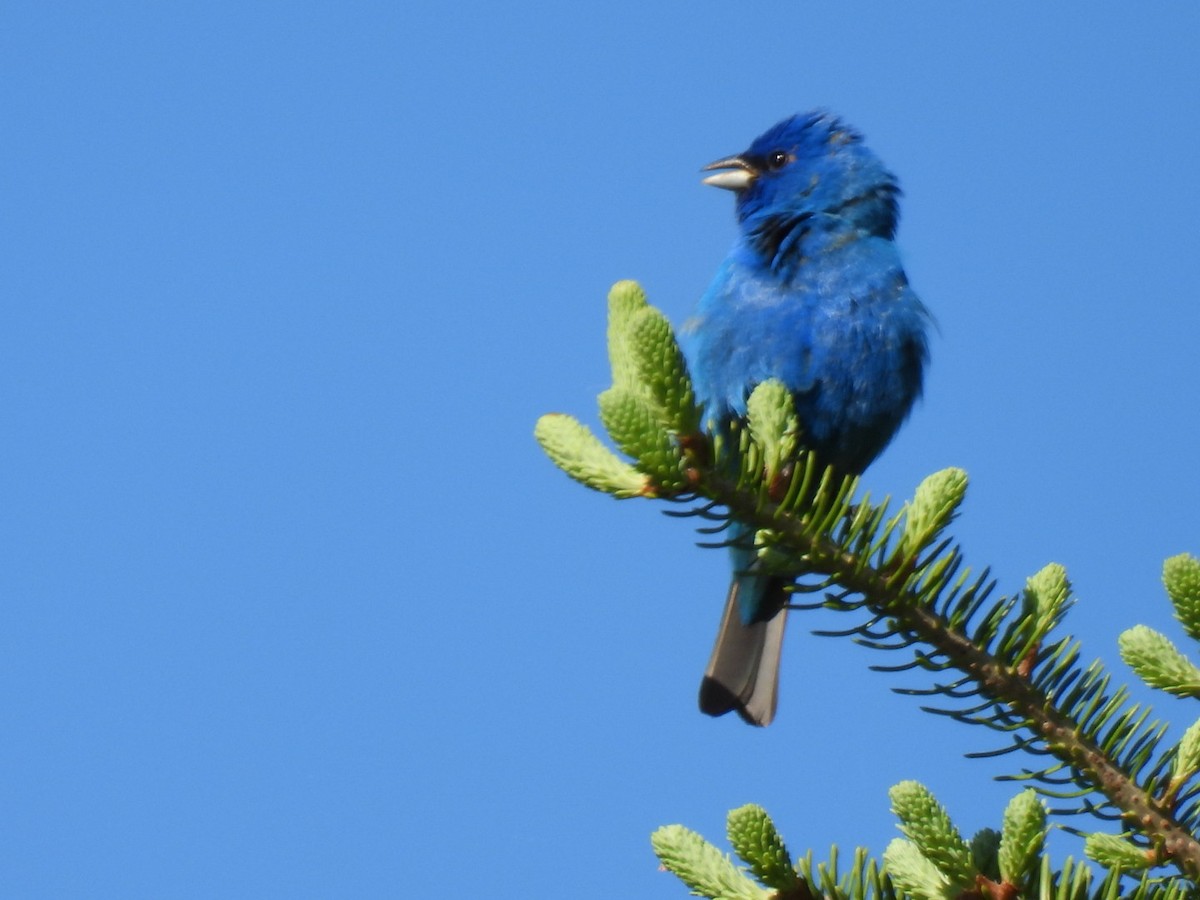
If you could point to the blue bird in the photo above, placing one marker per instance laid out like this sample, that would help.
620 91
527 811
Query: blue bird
812 294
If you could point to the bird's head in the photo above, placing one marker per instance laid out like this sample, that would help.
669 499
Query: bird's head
809 165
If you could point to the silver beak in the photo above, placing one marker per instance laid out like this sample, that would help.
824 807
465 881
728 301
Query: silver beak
738 176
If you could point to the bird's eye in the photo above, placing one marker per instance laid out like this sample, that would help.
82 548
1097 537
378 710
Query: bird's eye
777 160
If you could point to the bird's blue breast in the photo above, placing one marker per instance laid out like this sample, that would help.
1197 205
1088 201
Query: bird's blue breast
842 329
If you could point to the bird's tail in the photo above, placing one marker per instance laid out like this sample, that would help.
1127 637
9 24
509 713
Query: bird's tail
743 673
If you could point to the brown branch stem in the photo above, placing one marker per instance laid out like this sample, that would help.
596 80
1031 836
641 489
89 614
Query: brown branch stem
998 682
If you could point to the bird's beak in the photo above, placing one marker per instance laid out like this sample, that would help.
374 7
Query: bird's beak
739 175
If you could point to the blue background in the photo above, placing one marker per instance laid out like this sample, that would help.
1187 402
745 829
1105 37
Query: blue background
292 605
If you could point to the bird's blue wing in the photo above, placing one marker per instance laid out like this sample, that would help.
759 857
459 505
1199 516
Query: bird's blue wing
848 341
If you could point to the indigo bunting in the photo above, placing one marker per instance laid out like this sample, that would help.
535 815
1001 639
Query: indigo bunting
812 294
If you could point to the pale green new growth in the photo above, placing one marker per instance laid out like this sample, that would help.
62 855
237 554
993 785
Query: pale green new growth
754 838
1022 839
1156 661
1113 852
925 822
933 506
649 405
1181 577
914 874
637 430
662 370
1047 594
1044 602
574 449
1187 759
710 873
701 866
646 359
936 863
625 300
773 425
772 559
1012 867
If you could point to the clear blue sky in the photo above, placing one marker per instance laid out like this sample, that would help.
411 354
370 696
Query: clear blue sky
292 605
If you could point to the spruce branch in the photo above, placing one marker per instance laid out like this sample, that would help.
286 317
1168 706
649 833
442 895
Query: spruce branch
927 864
997 660
1103 741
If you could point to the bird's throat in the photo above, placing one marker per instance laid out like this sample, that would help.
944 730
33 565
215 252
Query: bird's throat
786 243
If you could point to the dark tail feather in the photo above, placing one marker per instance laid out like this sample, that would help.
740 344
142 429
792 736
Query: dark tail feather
743 673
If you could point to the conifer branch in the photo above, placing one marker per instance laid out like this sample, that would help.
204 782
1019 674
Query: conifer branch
809 525
1000 683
